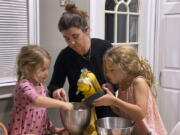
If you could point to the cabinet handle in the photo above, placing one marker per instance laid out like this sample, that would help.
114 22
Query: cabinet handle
160 74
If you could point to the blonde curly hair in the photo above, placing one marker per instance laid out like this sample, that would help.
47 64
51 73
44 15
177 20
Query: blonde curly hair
126 58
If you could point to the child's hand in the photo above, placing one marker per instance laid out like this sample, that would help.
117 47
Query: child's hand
105 100
59 131
60 94
68 106
65 133
56 130
109 86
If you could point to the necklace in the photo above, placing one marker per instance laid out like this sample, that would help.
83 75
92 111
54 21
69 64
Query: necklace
87 56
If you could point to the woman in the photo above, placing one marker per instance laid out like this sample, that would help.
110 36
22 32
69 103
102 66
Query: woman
81 52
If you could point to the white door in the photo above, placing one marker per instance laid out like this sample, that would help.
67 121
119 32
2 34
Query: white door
168 62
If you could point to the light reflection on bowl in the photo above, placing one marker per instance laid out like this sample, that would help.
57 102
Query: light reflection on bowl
76 120
114 126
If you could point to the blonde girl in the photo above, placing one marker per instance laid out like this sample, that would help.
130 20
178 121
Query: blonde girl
135 99
29 114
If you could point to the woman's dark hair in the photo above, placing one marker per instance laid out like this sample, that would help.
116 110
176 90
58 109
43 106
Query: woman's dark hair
73 18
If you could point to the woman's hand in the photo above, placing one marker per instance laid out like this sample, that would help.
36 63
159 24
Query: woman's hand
60 94
105 100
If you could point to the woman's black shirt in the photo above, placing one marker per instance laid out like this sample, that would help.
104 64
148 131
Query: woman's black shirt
69 64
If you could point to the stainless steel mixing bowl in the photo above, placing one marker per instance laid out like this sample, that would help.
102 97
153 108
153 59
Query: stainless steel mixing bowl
114 126
76 120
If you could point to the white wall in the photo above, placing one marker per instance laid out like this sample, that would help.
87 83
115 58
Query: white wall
50 37
6 102
97 18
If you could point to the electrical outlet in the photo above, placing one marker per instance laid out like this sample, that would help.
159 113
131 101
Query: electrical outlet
62 2
70 1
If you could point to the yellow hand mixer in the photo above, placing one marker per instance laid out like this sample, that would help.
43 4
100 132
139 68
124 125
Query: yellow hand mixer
90 87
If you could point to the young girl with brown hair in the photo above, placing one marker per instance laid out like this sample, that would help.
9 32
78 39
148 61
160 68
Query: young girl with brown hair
29 114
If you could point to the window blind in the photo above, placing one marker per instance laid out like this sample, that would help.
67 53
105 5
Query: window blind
13 35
